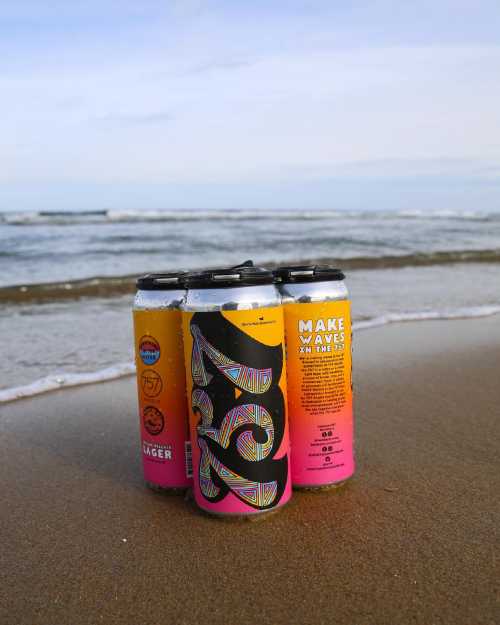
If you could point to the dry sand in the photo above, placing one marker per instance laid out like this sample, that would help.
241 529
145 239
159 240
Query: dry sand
410 540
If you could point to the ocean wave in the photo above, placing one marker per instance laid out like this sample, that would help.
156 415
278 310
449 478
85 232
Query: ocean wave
120 370
145 216
470 312
62 218
462 215
113 286
68 290
66 380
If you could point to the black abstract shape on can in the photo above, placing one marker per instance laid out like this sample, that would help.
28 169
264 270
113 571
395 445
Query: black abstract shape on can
238 436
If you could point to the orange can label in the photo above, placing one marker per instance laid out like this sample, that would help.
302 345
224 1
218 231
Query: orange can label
236 386
161 387
318 344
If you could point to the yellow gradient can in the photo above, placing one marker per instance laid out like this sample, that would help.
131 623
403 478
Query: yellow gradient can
161 381
318 346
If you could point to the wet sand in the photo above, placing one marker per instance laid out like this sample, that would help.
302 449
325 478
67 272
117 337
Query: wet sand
410 540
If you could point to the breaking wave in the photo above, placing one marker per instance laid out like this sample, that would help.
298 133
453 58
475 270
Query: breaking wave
25 218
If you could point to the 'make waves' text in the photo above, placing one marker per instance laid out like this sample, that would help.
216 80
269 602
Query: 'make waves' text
321 335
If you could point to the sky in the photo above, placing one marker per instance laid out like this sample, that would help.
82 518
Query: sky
262 104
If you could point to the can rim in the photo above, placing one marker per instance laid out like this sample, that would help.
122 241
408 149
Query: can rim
308 273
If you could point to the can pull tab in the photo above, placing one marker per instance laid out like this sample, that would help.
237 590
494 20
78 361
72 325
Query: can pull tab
226 276
171 280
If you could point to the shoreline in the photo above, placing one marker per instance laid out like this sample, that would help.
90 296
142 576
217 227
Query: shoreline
114 286
410 539
64 381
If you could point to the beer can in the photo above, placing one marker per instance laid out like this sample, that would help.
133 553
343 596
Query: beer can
236 385
318 345
161 381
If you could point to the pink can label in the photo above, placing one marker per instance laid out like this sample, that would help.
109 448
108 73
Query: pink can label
318 341
236 382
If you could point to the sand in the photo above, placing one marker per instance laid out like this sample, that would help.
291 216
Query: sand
410 540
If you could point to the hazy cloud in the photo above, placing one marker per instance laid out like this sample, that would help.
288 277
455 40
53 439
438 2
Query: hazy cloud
136 119
212 66
249 96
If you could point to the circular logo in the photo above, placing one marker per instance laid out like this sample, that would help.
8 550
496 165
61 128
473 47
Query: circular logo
151 383
153 420
149 350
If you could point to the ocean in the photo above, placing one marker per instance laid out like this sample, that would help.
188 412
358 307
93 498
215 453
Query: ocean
67 278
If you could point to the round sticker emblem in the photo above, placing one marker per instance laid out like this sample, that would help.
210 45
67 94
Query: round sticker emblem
149 350
153 419
151 383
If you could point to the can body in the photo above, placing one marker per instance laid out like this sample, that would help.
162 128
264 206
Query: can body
161 387
236 387
318 342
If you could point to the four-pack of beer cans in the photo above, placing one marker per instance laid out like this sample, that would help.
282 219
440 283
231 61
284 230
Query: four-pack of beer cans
244 383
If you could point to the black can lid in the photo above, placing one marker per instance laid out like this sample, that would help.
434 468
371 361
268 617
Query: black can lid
223 277
162 281
308 273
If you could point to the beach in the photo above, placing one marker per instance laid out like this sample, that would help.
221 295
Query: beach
411 539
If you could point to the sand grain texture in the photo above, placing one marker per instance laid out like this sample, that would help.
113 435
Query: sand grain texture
410 540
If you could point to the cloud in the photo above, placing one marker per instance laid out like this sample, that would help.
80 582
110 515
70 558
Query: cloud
471 168
136 119
247 94
213 66
305 112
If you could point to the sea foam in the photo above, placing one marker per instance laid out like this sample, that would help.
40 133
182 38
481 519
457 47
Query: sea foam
65 380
